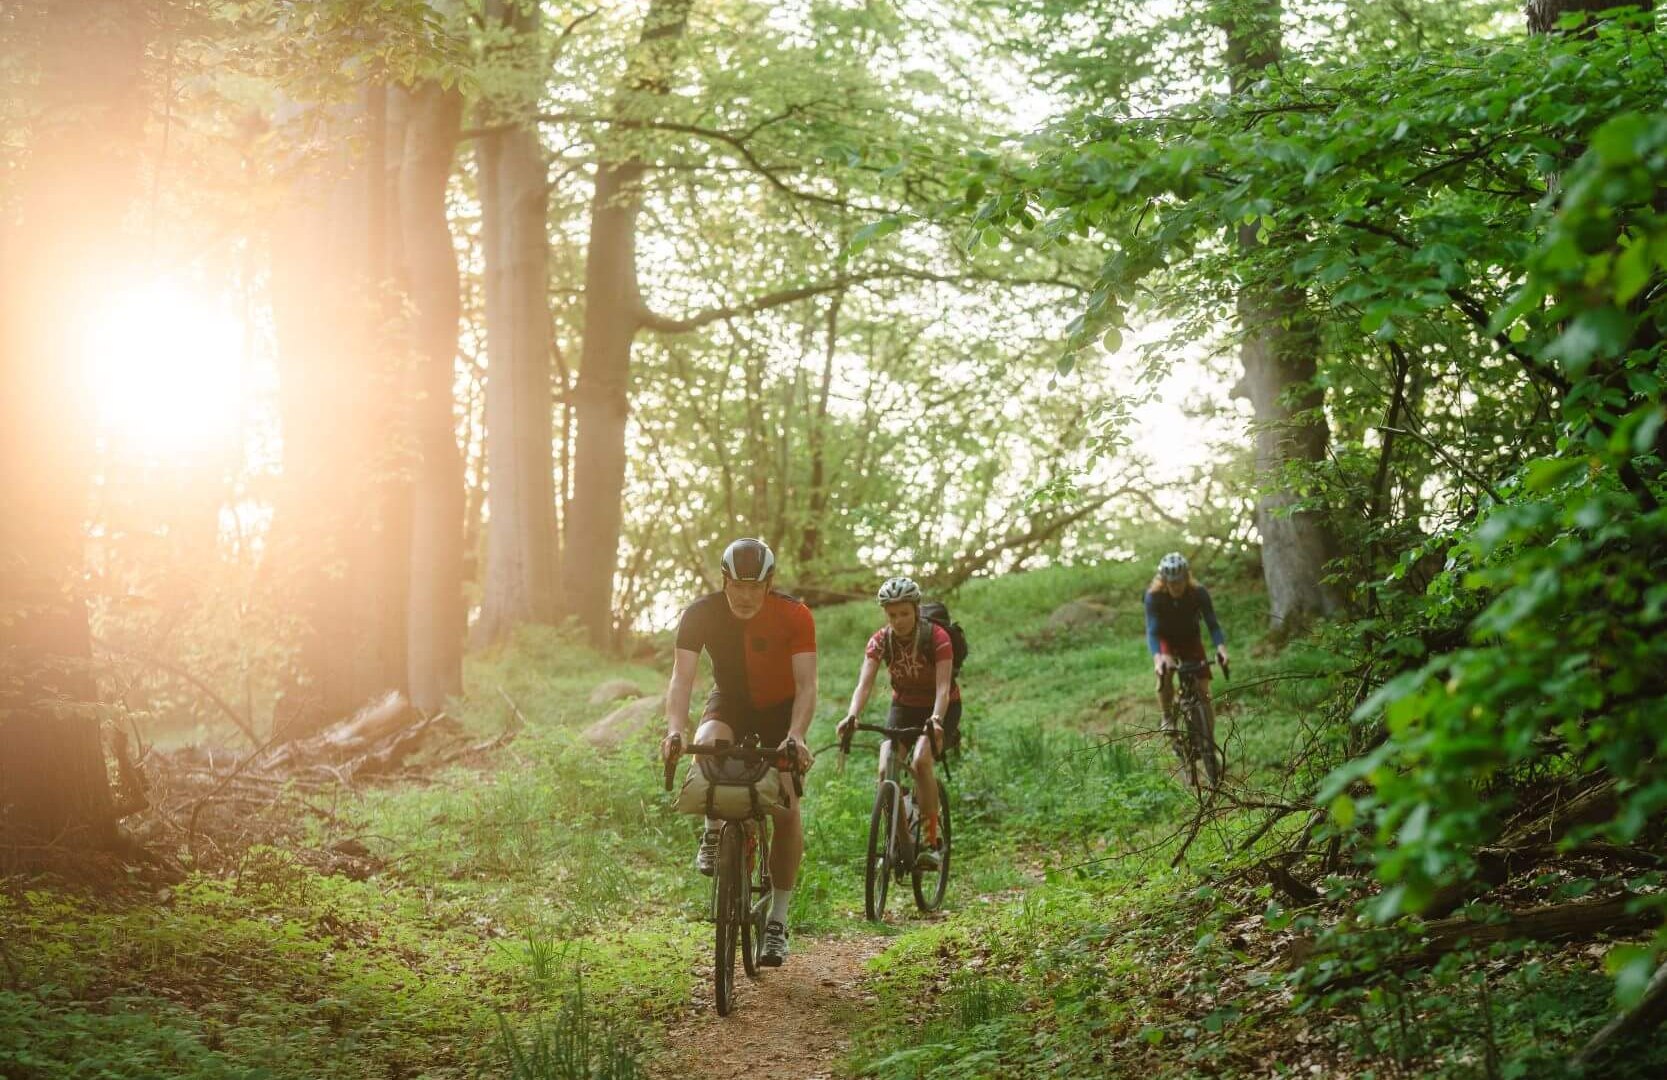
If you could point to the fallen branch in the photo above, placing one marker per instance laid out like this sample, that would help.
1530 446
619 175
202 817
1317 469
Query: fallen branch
1641 1019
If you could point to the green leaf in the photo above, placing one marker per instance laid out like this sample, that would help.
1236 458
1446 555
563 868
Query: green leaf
1632 967
1596 334
1548 473
1632 271
1618 140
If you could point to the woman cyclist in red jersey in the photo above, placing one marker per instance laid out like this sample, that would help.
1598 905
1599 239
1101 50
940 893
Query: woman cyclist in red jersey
920 658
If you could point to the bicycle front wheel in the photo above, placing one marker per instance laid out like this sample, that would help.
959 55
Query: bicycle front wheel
731 905
1204 745
930 885
756 904
877 875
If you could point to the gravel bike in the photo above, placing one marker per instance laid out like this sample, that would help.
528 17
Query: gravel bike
1197 724
894 829
741 886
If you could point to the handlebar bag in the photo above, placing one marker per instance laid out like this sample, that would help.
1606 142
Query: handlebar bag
730 789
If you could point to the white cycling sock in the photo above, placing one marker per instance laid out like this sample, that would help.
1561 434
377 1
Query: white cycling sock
779 899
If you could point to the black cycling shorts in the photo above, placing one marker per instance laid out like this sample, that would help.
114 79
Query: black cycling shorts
771 723
917 715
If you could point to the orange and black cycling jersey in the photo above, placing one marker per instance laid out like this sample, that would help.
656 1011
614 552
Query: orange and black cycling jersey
752 659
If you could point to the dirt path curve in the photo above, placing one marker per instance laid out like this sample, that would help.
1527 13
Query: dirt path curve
794 1023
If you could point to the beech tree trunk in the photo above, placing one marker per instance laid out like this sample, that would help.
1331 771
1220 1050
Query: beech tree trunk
342 528
810 543
59 259
1280 354
1543 15
613 315
520 584
431 120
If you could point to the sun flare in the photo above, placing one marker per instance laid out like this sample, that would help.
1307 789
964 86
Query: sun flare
164 368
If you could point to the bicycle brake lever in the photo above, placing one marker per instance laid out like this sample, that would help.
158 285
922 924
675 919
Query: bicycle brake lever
671 762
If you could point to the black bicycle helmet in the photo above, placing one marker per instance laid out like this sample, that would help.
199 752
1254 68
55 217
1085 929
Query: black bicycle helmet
747 559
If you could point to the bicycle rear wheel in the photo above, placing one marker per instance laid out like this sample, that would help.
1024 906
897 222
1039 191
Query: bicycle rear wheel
731 903
931 885
877 875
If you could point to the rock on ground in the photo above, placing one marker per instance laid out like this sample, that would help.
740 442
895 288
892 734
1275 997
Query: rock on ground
625 721
1080 615
614 690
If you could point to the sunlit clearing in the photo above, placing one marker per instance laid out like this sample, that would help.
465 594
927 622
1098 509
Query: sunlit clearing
164 367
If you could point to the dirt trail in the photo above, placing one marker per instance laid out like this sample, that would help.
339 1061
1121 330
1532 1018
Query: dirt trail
794 1023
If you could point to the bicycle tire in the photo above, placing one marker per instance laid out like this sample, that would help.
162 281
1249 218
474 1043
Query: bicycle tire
1202 746
757 900
728 917
877 875
931 900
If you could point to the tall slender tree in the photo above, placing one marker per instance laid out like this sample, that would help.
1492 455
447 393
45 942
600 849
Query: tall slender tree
614 313
429 118
60 258
520 580
1280 353
342 528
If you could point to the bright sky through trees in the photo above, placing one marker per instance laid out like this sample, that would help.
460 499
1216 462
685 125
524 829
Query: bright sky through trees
165 366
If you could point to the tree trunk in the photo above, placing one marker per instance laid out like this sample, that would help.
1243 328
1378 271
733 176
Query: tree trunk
1280 356
521 551
613 315
341 532
810 544
432 119
1544 14
54 786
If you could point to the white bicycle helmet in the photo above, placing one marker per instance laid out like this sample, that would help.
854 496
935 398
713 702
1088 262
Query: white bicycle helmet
1173 567
747 559
899 589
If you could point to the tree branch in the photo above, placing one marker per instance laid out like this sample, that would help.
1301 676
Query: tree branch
736 142
649 320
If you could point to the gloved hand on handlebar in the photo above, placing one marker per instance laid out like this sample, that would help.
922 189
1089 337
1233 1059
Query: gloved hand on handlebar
845 728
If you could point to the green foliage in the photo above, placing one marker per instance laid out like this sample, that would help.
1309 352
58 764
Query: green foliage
1475 229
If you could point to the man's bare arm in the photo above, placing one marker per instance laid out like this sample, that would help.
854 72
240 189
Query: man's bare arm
683 666
804 695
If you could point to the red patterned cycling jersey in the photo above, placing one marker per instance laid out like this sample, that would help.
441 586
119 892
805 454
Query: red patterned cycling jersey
914 677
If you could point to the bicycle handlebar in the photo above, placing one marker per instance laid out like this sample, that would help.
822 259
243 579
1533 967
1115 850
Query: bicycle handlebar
743 753
1193 667
901 734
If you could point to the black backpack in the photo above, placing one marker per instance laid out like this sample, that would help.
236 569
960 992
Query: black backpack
934 613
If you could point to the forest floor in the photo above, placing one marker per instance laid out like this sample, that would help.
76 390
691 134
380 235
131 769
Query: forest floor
532 913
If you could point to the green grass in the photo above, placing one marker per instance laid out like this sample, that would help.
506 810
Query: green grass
530 913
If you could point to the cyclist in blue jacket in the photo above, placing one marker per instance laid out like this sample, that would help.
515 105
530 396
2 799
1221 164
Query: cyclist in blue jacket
1174 605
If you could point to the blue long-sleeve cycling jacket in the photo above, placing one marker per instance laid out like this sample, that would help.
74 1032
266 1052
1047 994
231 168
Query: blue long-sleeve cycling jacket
1175 620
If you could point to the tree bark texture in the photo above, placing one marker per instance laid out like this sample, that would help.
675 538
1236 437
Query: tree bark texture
430 121
1280 354
60 258
1543 15
810 542
341 531
520 583
613 315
